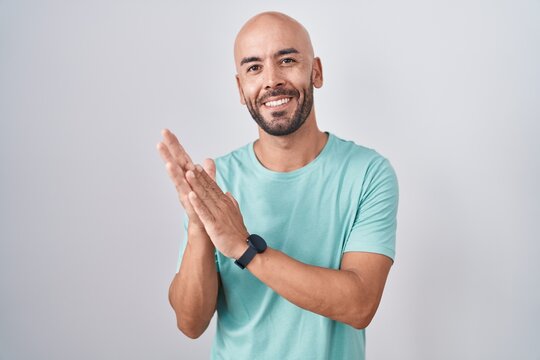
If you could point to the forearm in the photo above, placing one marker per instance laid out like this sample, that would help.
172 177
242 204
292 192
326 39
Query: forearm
337 294
193 291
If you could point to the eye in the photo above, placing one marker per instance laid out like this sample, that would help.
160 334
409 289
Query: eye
288 61
254 68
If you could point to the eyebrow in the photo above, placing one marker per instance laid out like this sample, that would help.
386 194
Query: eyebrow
286 52
279 53
249 59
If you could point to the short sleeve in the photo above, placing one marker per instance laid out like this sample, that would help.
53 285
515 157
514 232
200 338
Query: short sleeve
184 244
375 223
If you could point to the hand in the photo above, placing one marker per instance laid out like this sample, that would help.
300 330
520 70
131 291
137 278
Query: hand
219 213
178 162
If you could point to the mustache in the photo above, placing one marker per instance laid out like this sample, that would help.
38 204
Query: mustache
278 92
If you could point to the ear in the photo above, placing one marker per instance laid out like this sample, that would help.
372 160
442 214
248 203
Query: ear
242 98
317 73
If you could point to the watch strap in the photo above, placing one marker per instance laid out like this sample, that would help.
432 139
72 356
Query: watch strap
246 258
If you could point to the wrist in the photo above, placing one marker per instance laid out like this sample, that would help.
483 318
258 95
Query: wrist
255 245
240 250
201 247
196 228
198 238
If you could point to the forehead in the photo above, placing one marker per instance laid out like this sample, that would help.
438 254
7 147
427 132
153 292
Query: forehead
266 39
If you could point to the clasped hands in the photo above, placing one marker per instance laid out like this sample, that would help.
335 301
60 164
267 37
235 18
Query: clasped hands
207 207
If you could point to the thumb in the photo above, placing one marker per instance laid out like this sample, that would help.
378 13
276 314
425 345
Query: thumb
210 167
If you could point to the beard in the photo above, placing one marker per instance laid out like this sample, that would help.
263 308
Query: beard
279 125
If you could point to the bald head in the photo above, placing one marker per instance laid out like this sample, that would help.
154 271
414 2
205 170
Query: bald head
271 29
276 72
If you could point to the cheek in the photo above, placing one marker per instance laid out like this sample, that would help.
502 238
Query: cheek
301 81
250 88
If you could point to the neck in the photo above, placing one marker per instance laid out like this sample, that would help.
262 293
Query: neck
293 151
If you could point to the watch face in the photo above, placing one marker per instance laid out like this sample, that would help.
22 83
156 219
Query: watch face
258 242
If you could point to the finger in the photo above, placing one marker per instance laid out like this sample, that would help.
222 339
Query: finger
190 211
210 167
175 148
164 153
201 209
208 197
229 195
210 183
182 187
177 176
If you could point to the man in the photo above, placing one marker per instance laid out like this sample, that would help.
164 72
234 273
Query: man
294 256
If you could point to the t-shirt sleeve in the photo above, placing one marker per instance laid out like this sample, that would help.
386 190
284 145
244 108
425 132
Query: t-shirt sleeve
375 223
184 244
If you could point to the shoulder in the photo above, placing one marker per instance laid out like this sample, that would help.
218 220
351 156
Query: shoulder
360 158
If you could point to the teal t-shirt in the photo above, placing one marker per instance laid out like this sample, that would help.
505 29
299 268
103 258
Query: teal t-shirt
346 199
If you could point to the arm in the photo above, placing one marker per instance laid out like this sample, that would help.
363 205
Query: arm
350 295
193 291
353 293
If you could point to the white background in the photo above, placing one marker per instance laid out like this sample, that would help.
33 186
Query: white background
90 225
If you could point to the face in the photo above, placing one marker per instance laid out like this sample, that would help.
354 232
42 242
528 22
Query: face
276 77
282 116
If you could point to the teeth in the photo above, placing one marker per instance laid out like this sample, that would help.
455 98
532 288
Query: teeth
277 102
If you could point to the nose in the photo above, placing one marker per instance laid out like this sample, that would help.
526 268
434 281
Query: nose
273 77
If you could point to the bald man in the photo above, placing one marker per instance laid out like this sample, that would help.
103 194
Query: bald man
293 237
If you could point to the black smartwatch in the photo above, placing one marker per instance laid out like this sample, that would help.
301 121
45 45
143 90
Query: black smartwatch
256 246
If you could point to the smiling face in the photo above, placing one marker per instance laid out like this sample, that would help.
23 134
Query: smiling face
276 72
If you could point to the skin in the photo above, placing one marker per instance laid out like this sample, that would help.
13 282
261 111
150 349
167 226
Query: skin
262 37
351 294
